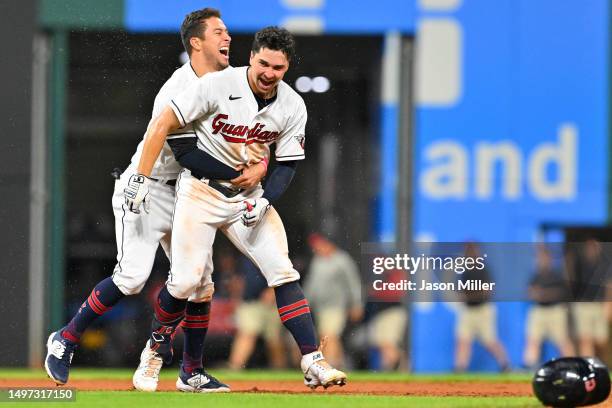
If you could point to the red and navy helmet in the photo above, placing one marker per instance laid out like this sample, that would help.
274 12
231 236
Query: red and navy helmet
572 382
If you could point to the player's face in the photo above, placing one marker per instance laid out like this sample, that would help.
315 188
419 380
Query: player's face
216 43
268 68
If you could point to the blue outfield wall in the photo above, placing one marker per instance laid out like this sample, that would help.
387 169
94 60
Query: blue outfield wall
337 16
526 142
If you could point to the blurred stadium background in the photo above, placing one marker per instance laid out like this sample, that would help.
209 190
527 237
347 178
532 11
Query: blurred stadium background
429 120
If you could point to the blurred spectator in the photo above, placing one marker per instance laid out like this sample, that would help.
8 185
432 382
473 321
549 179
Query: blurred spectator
387 326
227 278
333 289
256 316
590 277
477 319
547 319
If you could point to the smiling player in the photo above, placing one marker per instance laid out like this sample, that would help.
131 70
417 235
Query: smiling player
237 114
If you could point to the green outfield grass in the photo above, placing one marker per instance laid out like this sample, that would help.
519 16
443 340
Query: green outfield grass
266 400
128 399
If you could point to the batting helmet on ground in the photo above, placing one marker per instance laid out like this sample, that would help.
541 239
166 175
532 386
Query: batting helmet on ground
572 382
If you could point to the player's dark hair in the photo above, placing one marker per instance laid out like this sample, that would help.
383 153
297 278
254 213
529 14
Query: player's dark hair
276 39
194 25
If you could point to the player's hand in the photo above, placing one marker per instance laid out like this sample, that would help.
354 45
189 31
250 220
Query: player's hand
137 193
250 176
254 210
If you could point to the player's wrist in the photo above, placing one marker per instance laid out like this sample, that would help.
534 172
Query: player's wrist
264 162
143 170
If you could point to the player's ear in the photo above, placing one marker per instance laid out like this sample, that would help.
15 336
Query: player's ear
196 43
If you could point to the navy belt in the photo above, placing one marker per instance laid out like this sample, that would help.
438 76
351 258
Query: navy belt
171 183
116 173
228 192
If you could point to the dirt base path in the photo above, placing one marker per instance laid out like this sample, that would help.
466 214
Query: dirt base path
481 389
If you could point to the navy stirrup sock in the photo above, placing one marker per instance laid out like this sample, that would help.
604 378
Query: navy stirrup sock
169 312
295 314
102 298
195 326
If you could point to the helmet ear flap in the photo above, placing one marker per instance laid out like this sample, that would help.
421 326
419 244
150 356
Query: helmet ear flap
598 384
572 382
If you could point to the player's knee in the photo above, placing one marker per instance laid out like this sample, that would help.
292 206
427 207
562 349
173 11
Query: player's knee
183 287
203 293
128 286
279 280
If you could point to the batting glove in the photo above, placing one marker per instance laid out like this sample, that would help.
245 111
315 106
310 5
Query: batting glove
254 210
137 193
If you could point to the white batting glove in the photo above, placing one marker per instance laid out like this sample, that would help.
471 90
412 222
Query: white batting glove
137 193
254 210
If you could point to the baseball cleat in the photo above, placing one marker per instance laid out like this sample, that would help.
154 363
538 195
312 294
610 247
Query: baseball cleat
199 381
313 382
59 357
146 375
318 372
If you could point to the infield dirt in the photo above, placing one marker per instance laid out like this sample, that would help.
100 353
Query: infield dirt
361 387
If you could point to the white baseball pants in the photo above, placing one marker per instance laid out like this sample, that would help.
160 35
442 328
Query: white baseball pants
138 236
199 211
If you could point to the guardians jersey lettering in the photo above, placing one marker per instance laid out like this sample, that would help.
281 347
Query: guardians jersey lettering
241 133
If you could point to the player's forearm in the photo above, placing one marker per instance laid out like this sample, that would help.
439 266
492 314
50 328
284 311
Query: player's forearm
155 139
154 142
279 180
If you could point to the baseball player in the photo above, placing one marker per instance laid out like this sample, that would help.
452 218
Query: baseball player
138 235
236 114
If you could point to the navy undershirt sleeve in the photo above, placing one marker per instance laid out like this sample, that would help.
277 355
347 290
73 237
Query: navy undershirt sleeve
279 180
200 163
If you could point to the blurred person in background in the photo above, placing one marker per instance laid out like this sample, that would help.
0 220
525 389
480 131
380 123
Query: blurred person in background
590 278
228 280
334 289
256 316
477 319
547 319
388 320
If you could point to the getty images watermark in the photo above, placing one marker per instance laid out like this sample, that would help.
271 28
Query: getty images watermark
480 272
412 264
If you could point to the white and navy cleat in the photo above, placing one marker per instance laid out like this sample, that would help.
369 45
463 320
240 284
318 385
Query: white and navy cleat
318 372
199 381
146 376
59 357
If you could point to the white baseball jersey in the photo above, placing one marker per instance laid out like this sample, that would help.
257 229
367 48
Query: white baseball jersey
230 127
225 116
166 166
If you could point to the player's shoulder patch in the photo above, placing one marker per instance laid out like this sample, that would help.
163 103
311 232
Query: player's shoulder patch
300 138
